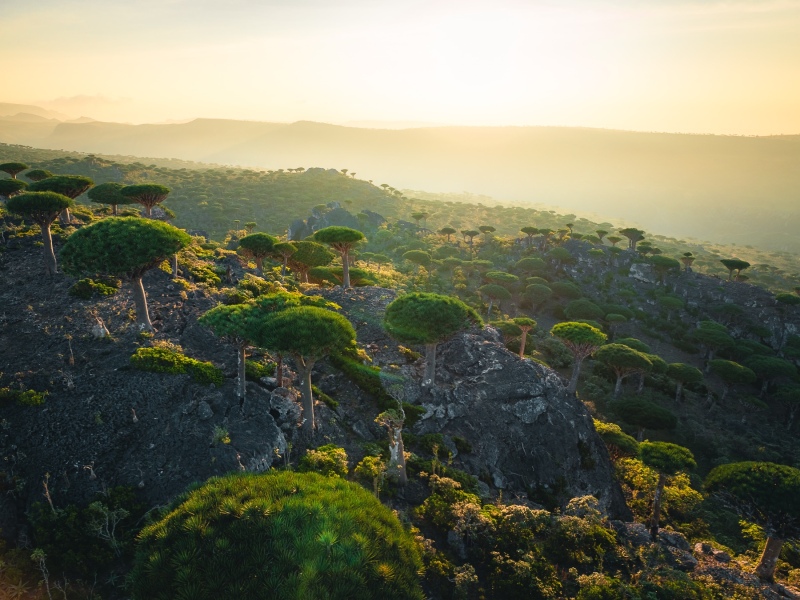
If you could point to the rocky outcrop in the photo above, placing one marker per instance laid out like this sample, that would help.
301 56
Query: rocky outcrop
528 435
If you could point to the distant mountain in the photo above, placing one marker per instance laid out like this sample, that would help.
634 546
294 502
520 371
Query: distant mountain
8 109
722 188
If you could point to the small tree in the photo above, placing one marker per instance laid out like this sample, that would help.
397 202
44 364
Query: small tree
714 337
731 373
393 420
373 469
109 193
11 187
284 250
582 340
258 246
687 259
643 414
234 322
493 292
341 239
447 232
42 208
734 264
125 247
668 460
770 368
70 186
13 168
764 493
525 324
683 374
529 233
618 442
624 361
634 236
538 294
664 265
146 194
309 255
308 334
429 319
38 174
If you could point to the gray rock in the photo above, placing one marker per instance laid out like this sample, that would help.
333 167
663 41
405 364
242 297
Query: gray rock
721 556
284 408
674 539
204 412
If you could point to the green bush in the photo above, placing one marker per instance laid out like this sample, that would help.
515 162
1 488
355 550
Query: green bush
254 370
279 535
164 357
88 288
329 460
24 397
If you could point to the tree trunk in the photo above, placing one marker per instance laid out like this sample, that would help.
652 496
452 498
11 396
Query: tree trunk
769 558
279 371
397 457
308 400
65 217
240 382
259 266
522 343
618 386
573 380
430 367
114 211
764 386
489 312
283 268
640 434
345 269
640 387
140 300
148 210
174 266
49 256
678 391
662 480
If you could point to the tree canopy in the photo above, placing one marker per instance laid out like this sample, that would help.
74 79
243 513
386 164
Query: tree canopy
9 187
38 174
42 208
70 186
424 318
258 246
146 194
109 193
13 168
251 536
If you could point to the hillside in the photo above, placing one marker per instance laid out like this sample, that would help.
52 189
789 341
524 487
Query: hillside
516 488
726 189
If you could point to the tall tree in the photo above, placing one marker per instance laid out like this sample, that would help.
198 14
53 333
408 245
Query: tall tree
624 361
683 374
764 493
70 186
42 208
394 419
634 236
429 319
258 246
109 193
734 264
447 232
146 194
581 339
284 251
342 240
309 255
13 168
125 247
668 460
11 187
308 334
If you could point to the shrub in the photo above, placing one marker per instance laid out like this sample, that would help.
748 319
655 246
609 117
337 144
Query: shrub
165 357
24 397
87 288
254 370
277 535
329 460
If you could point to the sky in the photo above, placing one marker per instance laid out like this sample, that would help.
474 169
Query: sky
693 66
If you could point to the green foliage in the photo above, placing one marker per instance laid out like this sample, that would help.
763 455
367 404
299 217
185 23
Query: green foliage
23 397
328 460
338 237
639 484
618 442
254 370
138 245
109 193
164 357
423 318
788 299
70 186
88 288
280 535
258 245
623 359
41 207
583 309
643 413
684 373
566 290
763 492
9 187
494 291
731 372
13 168
666 458
307 331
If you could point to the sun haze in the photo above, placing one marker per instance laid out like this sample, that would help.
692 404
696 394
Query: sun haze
691 66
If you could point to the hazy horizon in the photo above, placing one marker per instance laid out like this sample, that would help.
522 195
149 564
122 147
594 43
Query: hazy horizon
693 66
